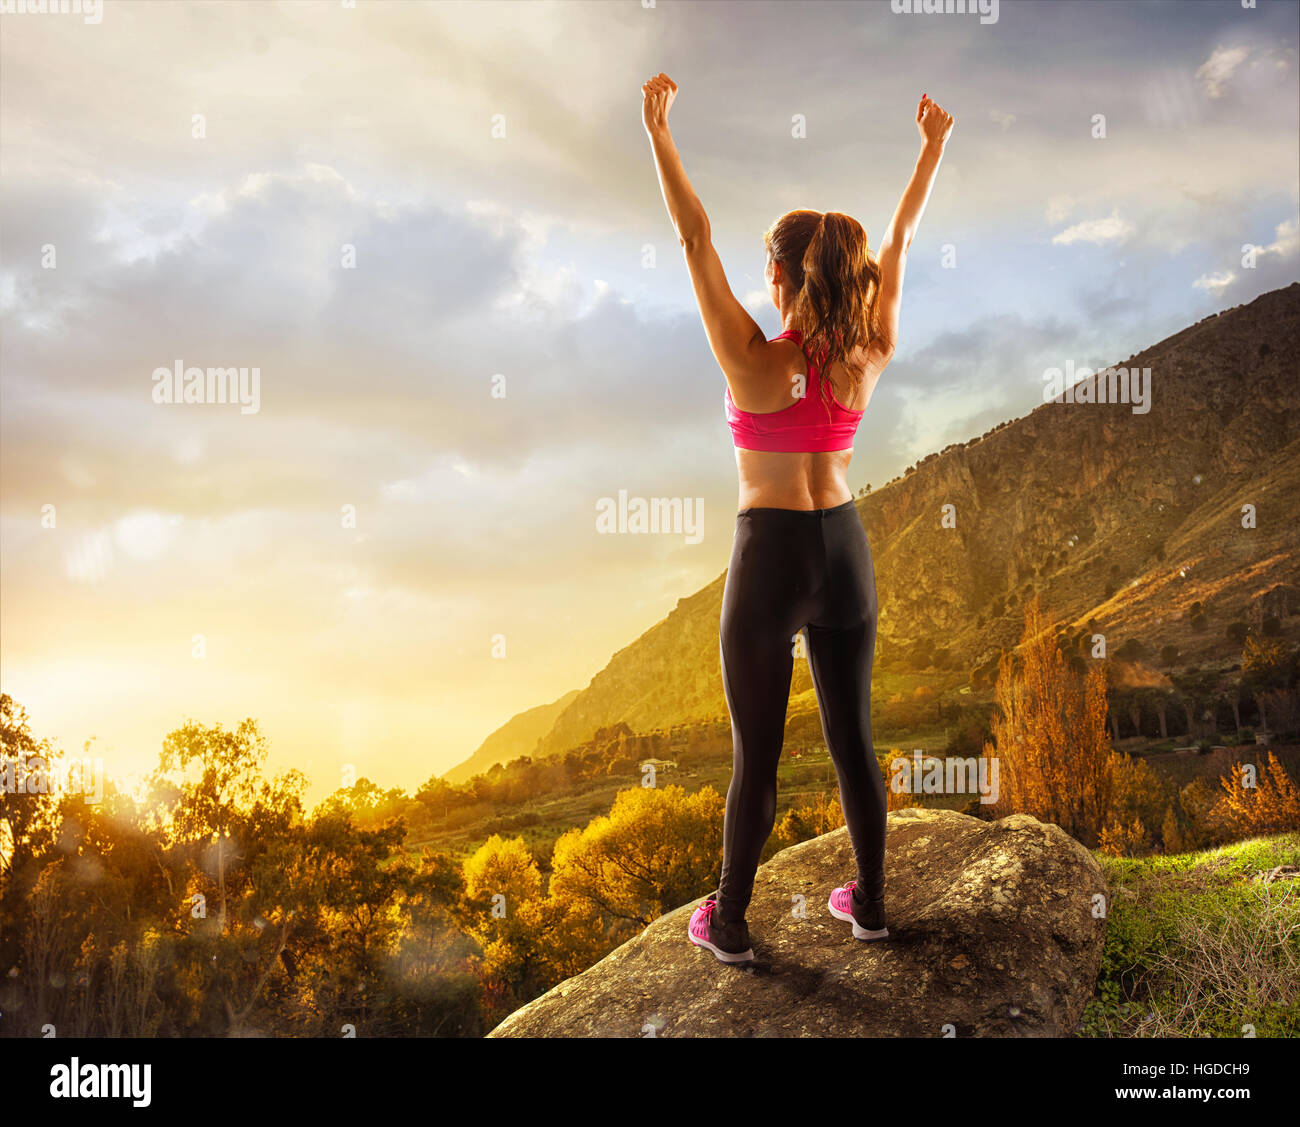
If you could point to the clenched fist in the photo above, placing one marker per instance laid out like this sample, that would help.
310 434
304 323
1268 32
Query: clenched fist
933 121
658 95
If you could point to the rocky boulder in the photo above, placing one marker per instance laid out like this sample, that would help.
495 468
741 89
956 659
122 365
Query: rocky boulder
996 930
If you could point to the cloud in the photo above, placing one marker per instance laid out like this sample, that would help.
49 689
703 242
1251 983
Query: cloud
1215 283
1276 264
1215 73
369 127
1112 229
1286 241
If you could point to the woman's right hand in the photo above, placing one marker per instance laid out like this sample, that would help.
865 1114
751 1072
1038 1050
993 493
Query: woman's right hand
932 121
657 96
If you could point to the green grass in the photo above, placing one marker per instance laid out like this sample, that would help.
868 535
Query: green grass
1195 947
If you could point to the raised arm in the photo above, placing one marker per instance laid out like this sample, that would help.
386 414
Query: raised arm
934 124
737 341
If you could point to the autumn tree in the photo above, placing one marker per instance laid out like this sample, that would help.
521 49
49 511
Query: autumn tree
28 802
656 849
1049 736
1254 802
220 771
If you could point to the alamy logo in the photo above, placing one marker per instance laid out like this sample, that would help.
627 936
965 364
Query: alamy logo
987 10
1105 385
179 384
928 774
35 774
101 1081
92 10
673 515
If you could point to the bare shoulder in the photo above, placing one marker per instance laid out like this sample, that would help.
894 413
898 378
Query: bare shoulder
764 384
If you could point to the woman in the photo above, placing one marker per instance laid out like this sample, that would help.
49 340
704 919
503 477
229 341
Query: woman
800 559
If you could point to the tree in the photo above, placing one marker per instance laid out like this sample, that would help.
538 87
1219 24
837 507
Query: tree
1227 690
1271 806
1159 699
530 940
657 849
807 820
1049 734
1265 666
223 769
28 802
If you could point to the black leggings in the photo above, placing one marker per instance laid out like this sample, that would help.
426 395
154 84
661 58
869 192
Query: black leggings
792 569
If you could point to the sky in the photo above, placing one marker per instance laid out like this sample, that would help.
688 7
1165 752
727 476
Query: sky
434 232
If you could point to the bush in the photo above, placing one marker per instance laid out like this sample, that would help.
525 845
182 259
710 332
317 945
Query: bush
1237 631
1131 650
1199 625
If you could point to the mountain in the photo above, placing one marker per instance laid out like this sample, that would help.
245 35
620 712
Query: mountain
517 736
1110 515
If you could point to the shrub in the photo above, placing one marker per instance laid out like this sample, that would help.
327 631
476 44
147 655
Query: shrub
1131 650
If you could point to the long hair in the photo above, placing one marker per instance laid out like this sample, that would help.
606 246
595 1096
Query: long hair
826 257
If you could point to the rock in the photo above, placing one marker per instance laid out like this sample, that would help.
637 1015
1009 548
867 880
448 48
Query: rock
992 933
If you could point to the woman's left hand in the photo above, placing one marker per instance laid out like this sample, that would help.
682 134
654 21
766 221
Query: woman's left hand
658 95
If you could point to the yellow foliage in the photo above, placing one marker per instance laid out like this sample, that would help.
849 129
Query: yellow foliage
1175 841
1136 790
656 849
505 867
807 820
1050 737
1270 806
1197 800
900 799
1125 839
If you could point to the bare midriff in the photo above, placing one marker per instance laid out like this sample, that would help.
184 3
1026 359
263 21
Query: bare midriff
793 481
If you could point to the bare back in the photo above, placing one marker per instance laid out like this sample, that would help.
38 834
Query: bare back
799 481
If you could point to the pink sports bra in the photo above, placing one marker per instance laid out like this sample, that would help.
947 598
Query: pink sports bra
805 427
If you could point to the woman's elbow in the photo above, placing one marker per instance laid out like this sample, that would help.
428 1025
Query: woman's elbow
693 238
881 349
894 247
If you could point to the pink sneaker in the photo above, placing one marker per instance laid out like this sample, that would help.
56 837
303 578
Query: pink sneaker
868 919
728 942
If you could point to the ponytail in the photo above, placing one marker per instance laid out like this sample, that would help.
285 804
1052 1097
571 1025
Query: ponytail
827 257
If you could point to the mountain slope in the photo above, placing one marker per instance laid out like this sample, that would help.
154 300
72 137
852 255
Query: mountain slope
517 736
1106 514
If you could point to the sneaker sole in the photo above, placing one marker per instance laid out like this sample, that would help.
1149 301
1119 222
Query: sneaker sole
721 955
859 932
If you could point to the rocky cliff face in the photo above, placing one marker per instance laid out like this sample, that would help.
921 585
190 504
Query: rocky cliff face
1107 514
994 932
